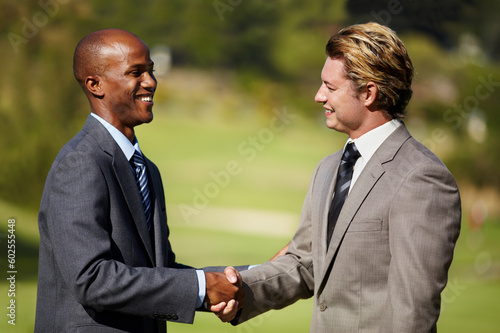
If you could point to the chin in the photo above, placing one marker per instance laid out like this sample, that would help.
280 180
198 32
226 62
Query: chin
336 127
149 117
331 125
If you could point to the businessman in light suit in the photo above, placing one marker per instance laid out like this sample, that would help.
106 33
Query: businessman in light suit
106 264
381 217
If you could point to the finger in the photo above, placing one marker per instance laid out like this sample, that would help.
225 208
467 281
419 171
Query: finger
231 274
217 308
229 313
229 307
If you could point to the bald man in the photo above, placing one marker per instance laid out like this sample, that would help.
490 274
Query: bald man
106 264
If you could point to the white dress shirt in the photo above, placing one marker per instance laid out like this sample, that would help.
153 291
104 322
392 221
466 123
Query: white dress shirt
368 144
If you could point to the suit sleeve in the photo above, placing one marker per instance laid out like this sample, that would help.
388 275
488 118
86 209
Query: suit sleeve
74 215
279 283
424 225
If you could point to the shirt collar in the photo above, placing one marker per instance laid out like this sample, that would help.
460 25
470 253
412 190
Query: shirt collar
369 142
125 145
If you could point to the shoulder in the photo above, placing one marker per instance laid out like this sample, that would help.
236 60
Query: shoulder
415 163
80 157
82 145
415 155
403 152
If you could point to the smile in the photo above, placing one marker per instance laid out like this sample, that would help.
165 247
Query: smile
146 99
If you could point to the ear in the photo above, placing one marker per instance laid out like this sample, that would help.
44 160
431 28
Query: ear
371 91
94 86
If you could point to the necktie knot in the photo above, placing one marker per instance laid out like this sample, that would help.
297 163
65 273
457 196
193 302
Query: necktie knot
351 153
138 159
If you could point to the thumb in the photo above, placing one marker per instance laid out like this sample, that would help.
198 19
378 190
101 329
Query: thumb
232 274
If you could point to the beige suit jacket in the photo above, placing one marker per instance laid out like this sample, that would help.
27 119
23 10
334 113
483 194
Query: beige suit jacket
390 252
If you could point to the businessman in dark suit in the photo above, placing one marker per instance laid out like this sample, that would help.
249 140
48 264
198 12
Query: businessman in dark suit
381 217
106 264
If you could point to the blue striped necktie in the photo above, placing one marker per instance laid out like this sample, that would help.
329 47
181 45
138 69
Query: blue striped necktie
344 177
141 176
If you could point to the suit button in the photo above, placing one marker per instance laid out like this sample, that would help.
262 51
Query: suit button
322 307
171 316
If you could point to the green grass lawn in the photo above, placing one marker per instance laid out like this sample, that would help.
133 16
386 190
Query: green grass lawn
271 176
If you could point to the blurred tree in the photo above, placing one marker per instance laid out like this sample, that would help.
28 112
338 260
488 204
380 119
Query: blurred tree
39 100
444 20
275 48
427 16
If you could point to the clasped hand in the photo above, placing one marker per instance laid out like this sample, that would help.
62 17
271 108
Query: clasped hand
225 294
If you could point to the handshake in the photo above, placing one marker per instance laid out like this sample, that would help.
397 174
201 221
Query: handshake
225 295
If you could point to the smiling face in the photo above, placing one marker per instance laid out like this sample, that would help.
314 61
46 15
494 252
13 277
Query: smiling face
115 70
345 109
128 84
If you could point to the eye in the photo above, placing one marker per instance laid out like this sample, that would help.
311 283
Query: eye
332 87
136 73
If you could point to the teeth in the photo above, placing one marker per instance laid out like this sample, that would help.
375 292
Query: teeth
146 99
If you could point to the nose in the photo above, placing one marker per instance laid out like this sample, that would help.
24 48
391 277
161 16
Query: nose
320 95
149 81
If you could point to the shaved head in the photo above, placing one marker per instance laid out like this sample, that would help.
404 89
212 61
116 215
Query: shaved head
115 71
90 56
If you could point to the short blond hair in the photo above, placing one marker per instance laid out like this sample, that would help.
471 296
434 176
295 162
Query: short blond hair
373 52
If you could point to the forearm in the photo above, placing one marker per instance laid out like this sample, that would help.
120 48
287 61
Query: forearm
275 285
111 285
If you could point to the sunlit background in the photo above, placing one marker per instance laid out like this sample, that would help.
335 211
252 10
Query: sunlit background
237 134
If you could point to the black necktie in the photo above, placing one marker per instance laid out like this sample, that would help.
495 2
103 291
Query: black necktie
344 177
141 176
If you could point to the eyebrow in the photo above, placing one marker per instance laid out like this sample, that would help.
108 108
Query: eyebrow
141 66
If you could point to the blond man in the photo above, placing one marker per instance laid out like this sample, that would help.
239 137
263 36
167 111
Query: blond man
381 217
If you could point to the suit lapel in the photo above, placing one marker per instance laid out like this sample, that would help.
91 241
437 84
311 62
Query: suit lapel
327 194
129 189
125 177
158 224
372 172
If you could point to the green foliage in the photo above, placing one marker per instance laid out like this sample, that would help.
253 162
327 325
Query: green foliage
273 52
41 103
444 21
39 100
458 94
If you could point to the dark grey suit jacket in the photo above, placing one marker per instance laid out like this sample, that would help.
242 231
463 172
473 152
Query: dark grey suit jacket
390 251
100 270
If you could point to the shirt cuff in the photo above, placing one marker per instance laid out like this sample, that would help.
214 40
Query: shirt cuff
202 287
